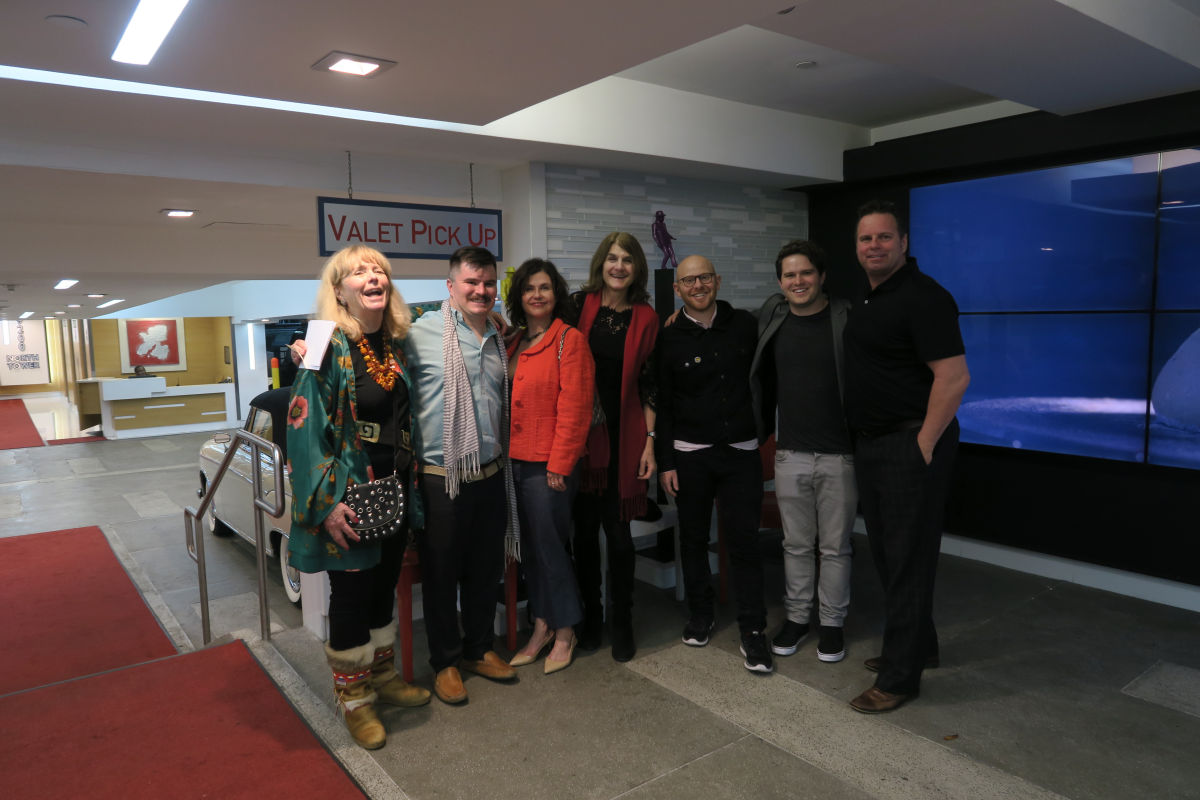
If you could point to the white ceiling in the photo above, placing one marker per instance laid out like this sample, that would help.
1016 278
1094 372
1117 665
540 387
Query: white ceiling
83 171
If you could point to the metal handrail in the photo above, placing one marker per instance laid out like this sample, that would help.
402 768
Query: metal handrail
192 516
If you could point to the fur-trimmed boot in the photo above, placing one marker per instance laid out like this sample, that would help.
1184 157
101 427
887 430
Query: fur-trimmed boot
387 683
354 695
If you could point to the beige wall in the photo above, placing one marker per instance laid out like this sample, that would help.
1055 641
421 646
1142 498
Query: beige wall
204 337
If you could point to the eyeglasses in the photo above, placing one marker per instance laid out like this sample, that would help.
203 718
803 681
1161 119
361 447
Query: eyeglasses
705 279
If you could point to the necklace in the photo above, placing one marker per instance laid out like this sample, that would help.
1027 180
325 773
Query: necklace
530 335
385 376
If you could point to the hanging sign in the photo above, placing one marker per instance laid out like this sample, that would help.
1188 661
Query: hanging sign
23 357
406 230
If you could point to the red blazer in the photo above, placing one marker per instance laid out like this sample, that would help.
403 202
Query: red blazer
552 400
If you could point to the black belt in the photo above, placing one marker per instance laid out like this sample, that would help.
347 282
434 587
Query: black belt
899 427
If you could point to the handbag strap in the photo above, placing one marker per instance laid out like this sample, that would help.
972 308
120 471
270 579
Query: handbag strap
562 339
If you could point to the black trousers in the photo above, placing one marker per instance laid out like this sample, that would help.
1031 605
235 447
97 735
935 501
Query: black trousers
590 512
462 563
734 479
363 600
903 502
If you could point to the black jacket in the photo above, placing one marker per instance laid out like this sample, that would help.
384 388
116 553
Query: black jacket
704 382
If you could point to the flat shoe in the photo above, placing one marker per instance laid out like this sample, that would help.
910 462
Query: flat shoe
491 666
521 659
448 686
553 666
877 701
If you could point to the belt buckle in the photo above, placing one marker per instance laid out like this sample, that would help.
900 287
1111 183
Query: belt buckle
369 431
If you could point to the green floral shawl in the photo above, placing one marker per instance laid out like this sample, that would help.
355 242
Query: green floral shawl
325 455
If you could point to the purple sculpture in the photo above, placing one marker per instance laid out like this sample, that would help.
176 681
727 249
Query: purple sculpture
663 239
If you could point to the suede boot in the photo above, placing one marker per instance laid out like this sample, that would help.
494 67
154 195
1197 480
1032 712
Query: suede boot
354 695
387 683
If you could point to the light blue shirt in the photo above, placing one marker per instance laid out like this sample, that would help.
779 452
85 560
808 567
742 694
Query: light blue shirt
485 372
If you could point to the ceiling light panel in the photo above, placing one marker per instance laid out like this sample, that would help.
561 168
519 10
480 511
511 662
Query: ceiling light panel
65 283
152 20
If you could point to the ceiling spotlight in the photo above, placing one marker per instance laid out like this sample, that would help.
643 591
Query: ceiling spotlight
111 303
350 64
65 283
805 64
177 212
152 20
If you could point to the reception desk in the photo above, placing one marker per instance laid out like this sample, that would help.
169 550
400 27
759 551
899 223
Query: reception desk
132 407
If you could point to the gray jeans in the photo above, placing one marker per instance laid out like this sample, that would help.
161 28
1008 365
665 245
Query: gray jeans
818 500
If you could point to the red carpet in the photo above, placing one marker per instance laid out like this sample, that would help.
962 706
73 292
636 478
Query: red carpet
76 440
207 724
69 610
16 428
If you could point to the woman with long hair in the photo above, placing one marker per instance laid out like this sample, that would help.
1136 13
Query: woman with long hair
553 386
349 421
612 311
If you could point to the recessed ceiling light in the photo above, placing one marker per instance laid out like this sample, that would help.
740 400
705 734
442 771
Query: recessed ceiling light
350 64
111 303
787 10
152 20
805 64
26 315
65 283
177 212
60 312
95 296
72 305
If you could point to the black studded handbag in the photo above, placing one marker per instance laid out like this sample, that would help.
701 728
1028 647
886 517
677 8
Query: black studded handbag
380 506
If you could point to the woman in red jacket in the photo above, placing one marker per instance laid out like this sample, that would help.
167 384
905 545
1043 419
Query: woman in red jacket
553 385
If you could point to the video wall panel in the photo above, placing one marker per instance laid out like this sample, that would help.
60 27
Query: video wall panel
1079 294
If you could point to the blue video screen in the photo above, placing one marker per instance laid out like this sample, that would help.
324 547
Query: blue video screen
1079 294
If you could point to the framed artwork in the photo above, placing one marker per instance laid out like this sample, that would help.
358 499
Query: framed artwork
157 345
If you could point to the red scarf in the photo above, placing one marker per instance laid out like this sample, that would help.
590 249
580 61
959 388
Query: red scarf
631 439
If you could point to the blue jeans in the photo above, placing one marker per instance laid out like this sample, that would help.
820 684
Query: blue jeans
545 517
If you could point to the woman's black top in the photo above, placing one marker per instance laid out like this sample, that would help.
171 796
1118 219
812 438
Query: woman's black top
375 404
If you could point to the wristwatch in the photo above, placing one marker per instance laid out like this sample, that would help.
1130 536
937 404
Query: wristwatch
650 434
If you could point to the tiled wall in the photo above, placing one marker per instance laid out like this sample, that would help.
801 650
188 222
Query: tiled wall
740 228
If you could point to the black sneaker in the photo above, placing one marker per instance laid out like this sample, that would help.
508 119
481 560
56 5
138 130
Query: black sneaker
789 638
758 655
830 644
696 632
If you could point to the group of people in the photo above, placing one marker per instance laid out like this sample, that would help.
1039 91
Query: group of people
529 438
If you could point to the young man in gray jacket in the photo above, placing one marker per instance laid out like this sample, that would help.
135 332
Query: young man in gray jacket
797 372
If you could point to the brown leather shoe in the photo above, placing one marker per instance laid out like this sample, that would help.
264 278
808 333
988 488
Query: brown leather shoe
874 664
877 701
490 666
448 686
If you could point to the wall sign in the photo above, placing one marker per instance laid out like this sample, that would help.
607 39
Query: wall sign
156 344
406 230
24 360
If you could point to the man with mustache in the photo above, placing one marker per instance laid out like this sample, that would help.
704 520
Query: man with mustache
460 377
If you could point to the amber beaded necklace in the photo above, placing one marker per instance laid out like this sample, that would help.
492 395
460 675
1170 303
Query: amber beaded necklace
383 374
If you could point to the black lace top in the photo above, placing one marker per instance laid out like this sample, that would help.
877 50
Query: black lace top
607 343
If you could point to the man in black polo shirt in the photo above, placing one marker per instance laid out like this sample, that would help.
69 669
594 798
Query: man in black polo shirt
706 448
905 376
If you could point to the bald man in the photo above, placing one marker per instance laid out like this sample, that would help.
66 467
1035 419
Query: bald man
707 450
